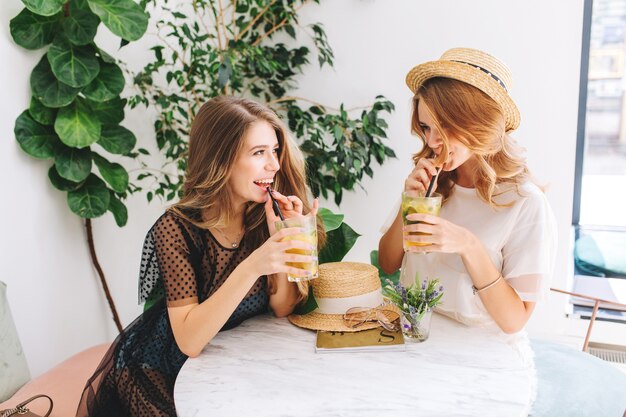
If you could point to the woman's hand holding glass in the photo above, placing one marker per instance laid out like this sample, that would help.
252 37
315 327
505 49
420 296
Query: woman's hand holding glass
442 235
272 257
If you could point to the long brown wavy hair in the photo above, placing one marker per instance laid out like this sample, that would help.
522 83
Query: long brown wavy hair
465 113
215 142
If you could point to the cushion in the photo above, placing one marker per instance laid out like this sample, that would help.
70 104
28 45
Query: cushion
601 253
64 384
575 383
12 360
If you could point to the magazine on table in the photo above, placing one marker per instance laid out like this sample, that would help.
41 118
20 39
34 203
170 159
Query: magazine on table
372 340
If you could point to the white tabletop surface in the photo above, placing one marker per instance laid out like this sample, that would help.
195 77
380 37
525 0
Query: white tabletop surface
268 367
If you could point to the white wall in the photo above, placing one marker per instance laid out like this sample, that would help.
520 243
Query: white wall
55 296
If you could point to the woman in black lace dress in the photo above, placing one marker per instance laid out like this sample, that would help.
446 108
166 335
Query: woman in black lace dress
212 260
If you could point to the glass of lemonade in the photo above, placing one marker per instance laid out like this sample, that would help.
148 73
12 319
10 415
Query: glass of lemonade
414 202
309 235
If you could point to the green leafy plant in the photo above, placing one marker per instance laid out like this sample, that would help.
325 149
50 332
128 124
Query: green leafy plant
208 48
76 109
416 299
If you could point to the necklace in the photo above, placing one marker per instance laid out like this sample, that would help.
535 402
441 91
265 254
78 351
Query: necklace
233 243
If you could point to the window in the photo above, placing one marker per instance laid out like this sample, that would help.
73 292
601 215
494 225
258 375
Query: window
599 216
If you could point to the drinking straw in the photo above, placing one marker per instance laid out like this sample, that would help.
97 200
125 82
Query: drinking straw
432 182
275 205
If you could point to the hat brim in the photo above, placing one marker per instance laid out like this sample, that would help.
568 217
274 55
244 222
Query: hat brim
470 75
334 322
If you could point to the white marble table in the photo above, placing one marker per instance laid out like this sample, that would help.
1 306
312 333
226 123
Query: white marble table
268 367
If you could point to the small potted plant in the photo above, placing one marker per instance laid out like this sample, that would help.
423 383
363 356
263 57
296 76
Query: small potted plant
416 304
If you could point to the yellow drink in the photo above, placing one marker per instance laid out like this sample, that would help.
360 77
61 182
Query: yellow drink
307 223
413 202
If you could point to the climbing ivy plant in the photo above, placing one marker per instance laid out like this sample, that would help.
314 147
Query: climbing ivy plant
253 48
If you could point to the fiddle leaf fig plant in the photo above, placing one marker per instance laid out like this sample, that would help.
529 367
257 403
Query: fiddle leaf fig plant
76 106
75 110
253 48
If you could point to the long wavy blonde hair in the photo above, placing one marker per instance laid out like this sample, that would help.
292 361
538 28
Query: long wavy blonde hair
465 113
215 142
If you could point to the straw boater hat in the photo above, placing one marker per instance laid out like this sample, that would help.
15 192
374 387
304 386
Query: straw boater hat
476 68
339 287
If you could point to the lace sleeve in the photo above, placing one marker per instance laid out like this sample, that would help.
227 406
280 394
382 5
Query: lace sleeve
169 263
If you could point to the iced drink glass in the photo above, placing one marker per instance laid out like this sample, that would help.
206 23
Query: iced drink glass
414 202
309 235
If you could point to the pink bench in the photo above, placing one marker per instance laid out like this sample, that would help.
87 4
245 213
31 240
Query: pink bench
63 383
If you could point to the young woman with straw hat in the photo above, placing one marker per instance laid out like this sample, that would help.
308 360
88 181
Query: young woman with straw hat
493 245
206 261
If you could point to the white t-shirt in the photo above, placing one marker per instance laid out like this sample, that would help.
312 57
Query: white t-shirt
520 240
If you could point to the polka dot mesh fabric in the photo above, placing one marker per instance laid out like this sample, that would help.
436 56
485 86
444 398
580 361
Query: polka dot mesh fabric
181 264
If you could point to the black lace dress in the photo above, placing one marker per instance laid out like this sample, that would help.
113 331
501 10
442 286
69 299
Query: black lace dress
181 264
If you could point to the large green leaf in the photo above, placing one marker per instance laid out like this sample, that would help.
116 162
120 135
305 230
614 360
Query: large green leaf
73 65
44 7
81 26
48 89
35 139
109 112
76 125
91 199
42 114
32 31
125 18
107 85
338 244
73 164
113 173
120 213
331 220
61 183
117 139
106 57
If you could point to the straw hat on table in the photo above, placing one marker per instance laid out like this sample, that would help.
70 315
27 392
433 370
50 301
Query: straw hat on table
475 68
339 287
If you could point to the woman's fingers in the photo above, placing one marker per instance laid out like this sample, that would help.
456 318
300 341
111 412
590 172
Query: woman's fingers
283 200
304 259
283 233
422 176
425 238
286 245
420 228
413 184
423 217
288 203
428 165
432 247
296 272
296 203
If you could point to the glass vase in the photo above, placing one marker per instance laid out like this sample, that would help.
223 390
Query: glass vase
416 327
